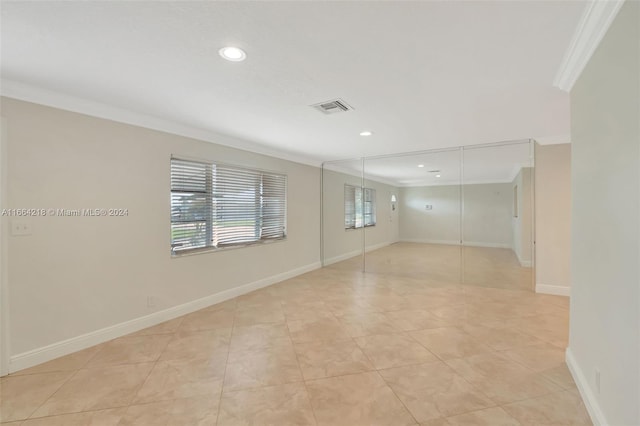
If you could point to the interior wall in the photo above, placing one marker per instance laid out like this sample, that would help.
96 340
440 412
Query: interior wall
4 314
487 214
553 218
76 275
605 121
522 224
440 225
340 243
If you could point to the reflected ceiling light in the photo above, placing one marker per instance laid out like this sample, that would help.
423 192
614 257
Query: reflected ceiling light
420 165
366 133
393 198
233 54
437 175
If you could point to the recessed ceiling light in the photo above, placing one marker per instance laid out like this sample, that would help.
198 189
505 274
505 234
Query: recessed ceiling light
420 165
234 54
437 175
366 133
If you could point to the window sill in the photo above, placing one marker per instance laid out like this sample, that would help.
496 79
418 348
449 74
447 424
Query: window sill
203 250
355 229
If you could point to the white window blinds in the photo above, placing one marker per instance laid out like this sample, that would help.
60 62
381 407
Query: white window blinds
359 209
215 205
349 206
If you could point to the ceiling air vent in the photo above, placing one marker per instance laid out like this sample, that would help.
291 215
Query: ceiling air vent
333 106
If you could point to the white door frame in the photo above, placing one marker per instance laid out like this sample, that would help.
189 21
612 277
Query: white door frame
4 302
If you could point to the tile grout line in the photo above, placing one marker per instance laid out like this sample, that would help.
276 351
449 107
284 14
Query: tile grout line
71 376
155 363
226 362
304 383
397 397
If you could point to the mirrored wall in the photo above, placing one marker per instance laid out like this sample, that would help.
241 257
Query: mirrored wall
452 216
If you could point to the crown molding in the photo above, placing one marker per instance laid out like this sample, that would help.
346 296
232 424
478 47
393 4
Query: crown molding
355 173
594 23
553 140
28 93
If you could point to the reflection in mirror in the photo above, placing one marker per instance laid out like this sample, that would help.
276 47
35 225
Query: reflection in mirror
498 216
417 237
430 221
343 216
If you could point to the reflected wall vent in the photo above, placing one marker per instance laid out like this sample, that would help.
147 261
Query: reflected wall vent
333 106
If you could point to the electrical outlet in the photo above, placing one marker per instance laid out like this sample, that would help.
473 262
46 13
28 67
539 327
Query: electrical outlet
428 207
20 228
151 302
597 380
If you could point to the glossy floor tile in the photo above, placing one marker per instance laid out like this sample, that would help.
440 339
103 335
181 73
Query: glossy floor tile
401 344
286 404
434 390
358 399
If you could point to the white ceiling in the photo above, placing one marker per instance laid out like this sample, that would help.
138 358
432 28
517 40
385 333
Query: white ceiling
420 75
488 164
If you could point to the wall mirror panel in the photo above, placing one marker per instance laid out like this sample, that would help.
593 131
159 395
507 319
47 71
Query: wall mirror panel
417 236
461 216
497 232
342 217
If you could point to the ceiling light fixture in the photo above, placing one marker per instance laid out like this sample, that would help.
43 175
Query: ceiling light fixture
233 54
421 165
437 175
366 133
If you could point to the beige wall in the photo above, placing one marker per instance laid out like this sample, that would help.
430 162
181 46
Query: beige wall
553 218
340 243
487 214
605 222
523 223
75 275
441 225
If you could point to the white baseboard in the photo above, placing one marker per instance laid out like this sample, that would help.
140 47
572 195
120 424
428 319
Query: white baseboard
341 257
354 253
557 290
428 241
74 344
377 246
523 263
589 399
457 243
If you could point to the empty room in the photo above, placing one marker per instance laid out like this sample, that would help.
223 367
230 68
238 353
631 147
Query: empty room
356 213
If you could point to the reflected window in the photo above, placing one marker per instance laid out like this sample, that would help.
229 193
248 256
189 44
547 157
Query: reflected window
359 207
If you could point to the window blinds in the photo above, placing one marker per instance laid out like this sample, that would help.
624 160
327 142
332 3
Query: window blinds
349 206
359 209
217 205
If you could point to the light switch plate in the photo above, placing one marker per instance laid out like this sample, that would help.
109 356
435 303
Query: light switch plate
20 227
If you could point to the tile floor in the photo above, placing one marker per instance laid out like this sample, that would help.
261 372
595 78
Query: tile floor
331 347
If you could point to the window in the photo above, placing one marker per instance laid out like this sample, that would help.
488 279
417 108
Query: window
359 209
217 206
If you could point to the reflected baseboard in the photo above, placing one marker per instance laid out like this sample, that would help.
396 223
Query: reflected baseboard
457 243
524 263
557 290
354 253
